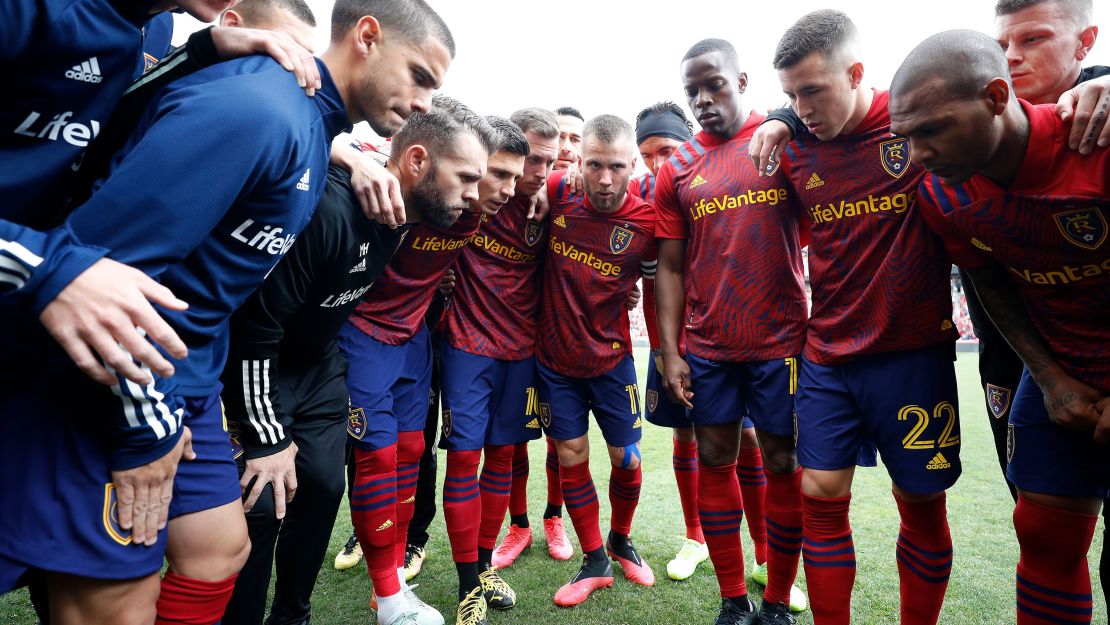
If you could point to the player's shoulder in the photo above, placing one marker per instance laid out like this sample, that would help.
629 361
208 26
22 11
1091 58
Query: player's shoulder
936 194
558 190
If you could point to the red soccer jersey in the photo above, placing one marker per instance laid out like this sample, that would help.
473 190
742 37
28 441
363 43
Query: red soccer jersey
745 289
1049 228
880 278
497 290
392 311
593 262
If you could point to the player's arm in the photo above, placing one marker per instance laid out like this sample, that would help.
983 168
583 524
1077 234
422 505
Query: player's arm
1087 105
670 288
377 190
772 137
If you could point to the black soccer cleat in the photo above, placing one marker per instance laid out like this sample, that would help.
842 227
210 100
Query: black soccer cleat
733 613
776 614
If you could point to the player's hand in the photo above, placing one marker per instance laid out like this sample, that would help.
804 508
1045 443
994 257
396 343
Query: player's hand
279 469
104 315
1102 430
769 140
143 493
447 284
377 190
233 43
676 379
539 206
633 299
575 183
1088 106
1071 404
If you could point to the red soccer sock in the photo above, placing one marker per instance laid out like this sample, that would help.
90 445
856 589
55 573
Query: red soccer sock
684 459
829 556
581 504
753 488
554 484
373 513
410 446
185 601
624 494
784 534
518 496
462 509
497 477
721 510
1053 582
924 559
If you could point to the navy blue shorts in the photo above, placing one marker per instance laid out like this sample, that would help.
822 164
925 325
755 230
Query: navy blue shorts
389 386
904 403
1045 458
726 392
661 410
614 398
487 401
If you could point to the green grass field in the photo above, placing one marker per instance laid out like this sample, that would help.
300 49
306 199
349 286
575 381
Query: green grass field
981 591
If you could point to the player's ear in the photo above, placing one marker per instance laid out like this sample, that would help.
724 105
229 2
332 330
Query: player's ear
416 161
231 19
368 33
855 74
997 92
1087 38
742 82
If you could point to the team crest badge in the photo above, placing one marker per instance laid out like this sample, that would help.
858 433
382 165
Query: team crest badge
356 423
545 415
1083 227
233 438
652 399
620 239
773 163
111 517
447 424
1010 443
998 398
895 156
532 232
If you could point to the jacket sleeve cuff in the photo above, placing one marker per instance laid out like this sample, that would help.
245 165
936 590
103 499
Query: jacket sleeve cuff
73 261
131 455
261 451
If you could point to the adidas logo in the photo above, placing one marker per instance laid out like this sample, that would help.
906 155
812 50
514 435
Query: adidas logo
303 184
979 244
561 221
361 266
938 462
89 71
814 182
533 424
698 181
639 423
384 526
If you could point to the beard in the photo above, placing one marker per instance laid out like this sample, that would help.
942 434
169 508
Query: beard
434 210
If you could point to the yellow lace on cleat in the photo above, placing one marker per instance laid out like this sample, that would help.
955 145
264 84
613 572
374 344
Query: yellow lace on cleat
499 595
472 609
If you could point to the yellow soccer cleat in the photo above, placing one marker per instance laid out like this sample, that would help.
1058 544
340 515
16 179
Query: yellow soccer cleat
349 555
686 562
414 561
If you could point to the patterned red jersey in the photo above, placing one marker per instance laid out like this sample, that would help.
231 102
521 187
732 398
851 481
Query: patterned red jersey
880 277
392 311
1049 228
593 262
497 290
644 188
745 288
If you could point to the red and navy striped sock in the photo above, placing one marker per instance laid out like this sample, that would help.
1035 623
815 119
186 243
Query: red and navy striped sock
186 601
462 507
581 503
624 494
496 482
518 497
684 459
721 510
410 446
753 488
784 534
554 484
829 557
1053 582
374 514
924 559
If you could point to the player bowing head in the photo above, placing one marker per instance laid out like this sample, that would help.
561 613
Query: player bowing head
713 82
292 17
505 166
608 158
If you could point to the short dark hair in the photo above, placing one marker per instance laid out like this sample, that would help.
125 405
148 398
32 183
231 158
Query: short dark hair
608 129
826 32
660 108
440 127
512 137
709 46
537 120
569 111
1080 10
966 60
257 12
414 19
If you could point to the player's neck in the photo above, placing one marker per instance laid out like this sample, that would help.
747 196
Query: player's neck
865 96
1003 168
333 60
732 131
1067 81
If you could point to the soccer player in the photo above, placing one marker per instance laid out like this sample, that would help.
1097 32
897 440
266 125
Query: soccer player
1027 218
570 136
488 368
877 367
387 346
285 388
215 248
292 17
597 243
711 207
